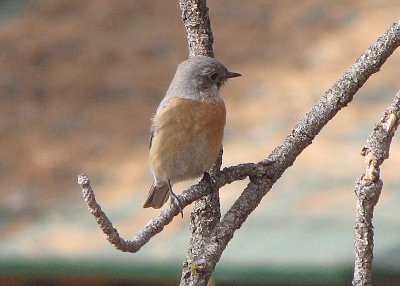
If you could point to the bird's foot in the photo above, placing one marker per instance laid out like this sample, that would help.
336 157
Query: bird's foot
174 199
211 181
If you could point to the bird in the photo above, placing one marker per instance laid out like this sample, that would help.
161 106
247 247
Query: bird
187 128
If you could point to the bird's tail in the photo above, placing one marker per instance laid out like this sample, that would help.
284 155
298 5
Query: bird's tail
158 195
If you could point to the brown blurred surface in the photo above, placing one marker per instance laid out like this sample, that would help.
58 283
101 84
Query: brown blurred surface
80 81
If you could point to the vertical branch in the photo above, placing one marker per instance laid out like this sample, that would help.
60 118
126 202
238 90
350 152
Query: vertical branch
368 190
367 197
198 28
206 212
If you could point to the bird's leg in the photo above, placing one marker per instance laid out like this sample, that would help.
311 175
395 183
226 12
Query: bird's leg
174 197
211 181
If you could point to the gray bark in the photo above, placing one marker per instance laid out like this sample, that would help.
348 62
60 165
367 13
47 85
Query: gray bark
206 211
368 190
197 23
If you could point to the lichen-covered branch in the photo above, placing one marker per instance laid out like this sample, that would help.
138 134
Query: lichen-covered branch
206 211
205 215
368 189
197 23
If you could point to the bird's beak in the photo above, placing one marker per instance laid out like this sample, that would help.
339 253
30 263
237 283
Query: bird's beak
233 74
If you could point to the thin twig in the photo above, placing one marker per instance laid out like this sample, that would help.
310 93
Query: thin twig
368 189
156 225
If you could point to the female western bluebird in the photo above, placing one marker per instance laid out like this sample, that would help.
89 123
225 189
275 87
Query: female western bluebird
188 127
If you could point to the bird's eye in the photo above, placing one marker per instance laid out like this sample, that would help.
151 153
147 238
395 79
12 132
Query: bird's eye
214 76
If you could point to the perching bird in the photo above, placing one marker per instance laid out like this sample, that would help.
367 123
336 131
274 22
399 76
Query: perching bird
188 127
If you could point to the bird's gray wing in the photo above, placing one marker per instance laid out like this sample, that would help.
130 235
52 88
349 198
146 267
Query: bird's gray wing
162 105
151 136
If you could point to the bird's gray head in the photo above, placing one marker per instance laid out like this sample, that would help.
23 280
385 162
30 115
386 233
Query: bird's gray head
199 78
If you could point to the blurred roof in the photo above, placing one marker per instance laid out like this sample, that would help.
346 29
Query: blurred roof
79 83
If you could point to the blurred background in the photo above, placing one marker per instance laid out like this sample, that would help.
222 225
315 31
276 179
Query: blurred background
79 83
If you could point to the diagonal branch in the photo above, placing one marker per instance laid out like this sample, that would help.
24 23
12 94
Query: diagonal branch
368 190
301 136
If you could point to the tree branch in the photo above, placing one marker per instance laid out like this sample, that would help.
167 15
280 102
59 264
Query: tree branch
368 189
156 225
197 23
271 169
206 211
263 174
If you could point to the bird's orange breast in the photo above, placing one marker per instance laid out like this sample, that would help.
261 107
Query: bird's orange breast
187 138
